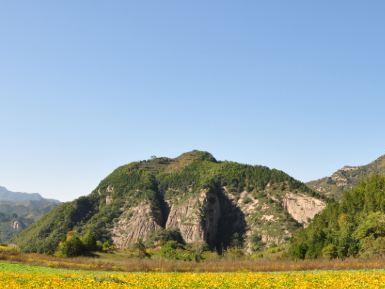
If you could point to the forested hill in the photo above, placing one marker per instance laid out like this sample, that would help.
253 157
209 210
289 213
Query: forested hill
355 226
219 203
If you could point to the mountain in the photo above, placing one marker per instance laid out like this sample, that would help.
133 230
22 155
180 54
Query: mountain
220 203
19 210
347 178
354 226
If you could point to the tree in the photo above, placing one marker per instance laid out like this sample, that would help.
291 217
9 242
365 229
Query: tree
164 236
89 241
169 250
354 226
141 248
71 248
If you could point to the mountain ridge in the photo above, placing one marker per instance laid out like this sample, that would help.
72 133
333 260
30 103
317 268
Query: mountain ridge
7 195
347 178
207 200
19 210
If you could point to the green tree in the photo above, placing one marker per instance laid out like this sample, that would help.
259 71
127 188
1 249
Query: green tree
169 250
141 248
71 248
89 241
354 226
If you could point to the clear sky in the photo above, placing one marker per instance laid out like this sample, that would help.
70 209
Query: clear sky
86 86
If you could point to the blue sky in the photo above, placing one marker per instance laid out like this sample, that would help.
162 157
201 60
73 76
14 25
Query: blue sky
86 86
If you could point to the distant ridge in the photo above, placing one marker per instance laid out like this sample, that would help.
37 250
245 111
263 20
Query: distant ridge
19 210
347 178
6 195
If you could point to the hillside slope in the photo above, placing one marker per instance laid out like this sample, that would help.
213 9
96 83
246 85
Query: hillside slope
19 210
354 226
219 203
347 178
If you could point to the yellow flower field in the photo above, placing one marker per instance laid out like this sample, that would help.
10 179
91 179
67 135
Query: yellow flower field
19 276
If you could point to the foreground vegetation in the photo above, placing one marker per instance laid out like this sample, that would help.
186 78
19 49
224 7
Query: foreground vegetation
14 276
124 262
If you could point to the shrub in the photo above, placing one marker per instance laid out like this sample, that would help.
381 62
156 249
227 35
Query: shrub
329 251
163 236
234 253
141 249
169 250
256 243
174 250
107 246
71 248
89 241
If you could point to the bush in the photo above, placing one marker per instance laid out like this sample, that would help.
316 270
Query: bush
141 249
372 247
234 253
175 251
298 250
164 236
89 241
256 243
169 250
329 251
107 246
71 248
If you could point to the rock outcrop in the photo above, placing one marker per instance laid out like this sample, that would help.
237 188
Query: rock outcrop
204 217
302 208
17 225
136 224
187 218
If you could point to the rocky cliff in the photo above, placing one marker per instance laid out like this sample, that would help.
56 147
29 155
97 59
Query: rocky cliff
208 201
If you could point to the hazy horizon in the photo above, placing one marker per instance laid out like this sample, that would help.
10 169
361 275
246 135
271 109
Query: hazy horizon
87 86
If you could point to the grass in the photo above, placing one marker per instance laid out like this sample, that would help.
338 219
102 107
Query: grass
19 276
120 261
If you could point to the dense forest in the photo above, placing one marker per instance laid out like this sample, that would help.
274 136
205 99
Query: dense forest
355 226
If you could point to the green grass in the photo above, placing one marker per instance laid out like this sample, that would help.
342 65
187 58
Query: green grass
21 268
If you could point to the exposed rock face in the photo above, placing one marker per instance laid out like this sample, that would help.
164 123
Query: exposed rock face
187 218
211 214
110 189
17 225
197 219
136 224
214 216
109 200
302 208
